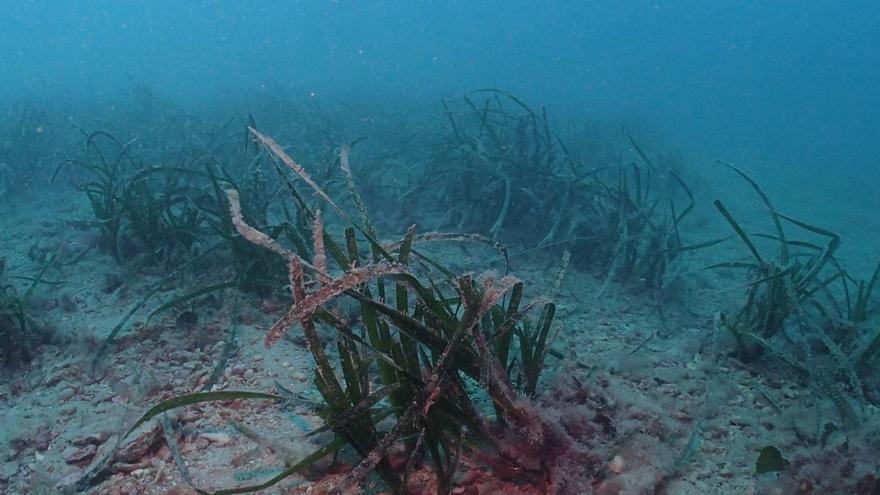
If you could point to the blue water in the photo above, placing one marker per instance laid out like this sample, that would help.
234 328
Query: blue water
790 83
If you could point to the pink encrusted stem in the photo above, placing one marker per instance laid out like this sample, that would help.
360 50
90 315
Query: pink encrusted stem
513 319
320 258
307 307
255 236
307 304
250 233
454 237
448 236
497 376
344 152
494 291
298 169
298 291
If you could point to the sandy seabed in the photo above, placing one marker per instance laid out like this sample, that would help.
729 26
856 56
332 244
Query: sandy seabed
657 398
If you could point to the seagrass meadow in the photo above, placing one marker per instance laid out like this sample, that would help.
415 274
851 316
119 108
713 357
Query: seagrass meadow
487 299
439 248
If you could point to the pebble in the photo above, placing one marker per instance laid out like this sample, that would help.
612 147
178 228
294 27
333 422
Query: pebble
617 465
93 439
68 410
66 393
181 489
102 396
220 439
42 440
55 378
74 455
249 373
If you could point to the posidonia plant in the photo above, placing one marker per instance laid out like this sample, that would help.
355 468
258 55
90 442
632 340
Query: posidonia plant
501 169
799 309
20 333
417 352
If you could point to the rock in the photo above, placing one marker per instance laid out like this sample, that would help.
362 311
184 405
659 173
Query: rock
617 465
42 440
69 410
68 479
181 489
79 455
8 470
66 393
93 439
140 446
102 396
55 377
220 439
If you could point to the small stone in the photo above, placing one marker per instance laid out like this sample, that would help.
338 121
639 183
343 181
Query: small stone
93 439
67 393
68 410
42 440
181 489
200 444
617 465
79 456
101 396
55 378
220 439
248 374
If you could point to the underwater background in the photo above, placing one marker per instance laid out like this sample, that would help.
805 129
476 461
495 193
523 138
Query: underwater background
439 247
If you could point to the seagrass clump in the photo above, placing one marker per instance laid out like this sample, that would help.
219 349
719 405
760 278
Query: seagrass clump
799 307
20 332
502 170
417 351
